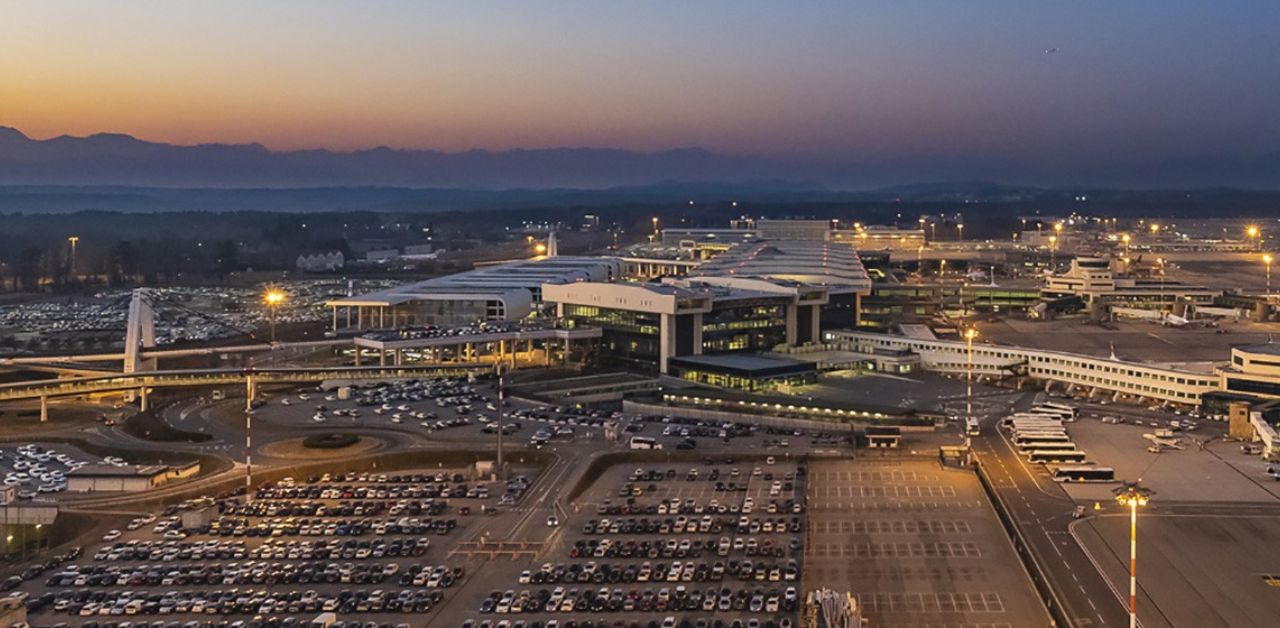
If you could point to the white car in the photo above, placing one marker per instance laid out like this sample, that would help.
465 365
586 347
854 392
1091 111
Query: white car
111 536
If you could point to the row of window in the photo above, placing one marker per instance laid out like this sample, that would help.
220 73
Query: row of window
1042 365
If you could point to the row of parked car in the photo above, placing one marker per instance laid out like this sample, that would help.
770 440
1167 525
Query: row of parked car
684 548
217 549
707 524
252 572
642 600
667 622
675 571
91 603
338 526
345 508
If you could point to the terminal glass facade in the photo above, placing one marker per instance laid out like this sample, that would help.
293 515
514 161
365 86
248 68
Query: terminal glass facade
630 339
744 327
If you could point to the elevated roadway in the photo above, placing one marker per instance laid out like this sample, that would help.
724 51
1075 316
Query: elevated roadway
140 380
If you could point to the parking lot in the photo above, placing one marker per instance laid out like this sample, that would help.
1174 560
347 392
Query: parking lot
370 547
666 544
38 469
916 544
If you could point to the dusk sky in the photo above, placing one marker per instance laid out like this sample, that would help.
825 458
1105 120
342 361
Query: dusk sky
1047 82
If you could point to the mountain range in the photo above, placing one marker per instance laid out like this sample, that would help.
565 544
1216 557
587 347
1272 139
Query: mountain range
111 159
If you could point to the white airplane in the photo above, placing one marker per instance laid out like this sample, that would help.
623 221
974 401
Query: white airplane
1169 319
1158 442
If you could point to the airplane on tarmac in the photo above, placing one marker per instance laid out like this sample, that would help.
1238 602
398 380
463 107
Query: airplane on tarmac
1161 442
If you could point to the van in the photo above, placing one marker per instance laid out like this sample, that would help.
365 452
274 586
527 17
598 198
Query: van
324 620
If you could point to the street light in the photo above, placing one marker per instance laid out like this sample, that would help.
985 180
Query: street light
74 240
1053 251
540 248
1252 232
960 228
969 335
273 298
1267 259
1160 261
1133 495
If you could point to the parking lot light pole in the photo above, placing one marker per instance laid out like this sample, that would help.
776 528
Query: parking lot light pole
500 369
248 438
1267 259
273 298
969 335
1133 495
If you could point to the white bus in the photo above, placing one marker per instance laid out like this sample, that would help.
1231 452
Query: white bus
1011 422
1037 430
1082 473
1049 447
971 427
1031 424
1024 440
644 442
1061 415
1072 411
1044 456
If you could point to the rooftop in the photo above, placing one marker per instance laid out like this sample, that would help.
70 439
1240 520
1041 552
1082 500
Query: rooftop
1265 348
745 363
106 470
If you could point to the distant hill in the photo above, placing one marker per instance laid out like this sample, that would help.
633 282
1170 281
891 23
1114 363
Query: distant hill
111 159
122 160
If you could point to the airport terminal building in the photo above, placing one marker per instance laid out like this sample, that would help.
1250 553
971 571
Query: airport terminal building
645 325
499 292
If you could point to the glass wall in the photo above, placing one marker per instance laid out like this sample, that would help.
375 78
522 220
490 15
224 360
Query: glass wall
630 339
747 327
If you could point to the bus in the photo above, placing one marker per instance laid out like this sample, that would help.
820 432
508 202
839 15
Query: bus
1082 473
1025 440
1071 411
971 427
1043 456
1029 431
1011 422
1061 415
1028 424
644 442
1067 446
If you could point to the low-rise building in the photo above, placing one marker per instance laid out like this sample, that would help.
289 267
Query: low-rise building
1094 280
130 478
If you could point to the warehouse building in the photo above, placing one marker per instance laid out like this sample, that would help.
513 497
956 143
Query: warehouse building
96 478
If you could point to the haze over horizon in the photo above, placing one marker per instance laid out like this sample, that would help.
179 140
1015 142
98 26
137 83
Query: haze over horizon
1024 88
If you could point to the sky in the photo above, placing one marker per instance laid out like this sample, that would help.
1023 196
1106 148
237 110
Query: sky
1053 83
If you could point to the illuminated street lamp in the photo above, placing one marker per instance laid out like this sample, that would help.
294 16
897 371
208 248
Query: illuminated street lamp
1252 232
273 298
1160 261
1053 251
960 228
1155 228
1125 238
1133 495
1267 259
540 248
74 240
